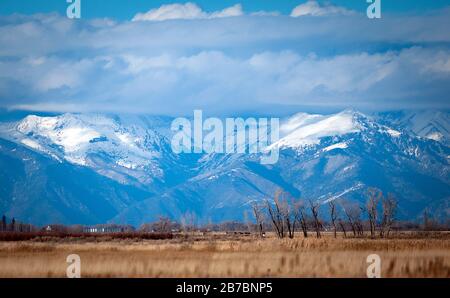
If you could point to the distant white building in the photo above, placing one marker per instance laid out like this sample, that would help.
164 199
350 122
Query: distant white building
105 229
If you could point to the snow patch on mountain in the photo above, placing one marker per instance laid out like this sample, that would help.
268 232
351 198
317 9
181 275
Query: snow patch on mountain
32 144
67 131
342 193
342 145
436 136
393 133
430 124
96 141
303 129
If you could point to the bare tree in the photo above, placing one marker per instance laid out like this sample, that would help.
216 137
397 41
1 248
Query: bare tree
4 223
350 221
389 205
163 225
288 219
300 217
372 203
353 213
333 216
315 213
288 207
283 214
247 221
188 221
259 218
428 223
341 224
275 214
13 224
358 222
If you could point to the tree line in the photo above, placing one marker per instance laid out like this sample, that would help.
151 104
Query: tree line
14 226
286 215
282 214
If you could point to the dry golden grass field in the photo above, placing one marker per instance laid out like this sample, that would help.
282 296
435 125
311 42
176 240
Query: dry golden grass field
221 255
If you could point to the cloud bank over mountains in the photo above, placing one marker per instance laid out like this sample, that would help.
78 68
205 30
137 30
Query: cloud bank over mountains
178 57
313 8
190 11
186 11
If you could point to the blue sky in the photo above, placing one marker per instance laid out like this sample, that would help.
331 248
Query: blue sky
224 56
124 10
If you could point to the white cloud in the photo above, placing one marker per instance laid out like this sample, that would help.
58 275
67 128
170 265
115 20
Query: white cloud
56 79
172 12
232 11
44 36
187 11
231 63
313 8
214 79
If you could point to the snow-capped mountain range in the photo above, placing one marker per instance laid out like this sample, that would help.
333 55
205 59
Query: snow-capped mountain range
434 125
85 168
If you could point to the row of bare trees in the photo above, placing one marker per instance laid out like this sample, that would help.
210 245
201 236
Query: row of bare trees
286 215
388 209
14 226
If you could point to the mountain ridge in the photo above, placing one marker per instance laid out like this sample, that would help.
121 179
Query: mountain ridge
351 151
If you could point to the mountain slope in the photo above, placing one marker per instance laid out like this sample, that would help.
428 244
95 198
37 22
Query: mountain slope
130 150
322 163
125 163
433 125
37 189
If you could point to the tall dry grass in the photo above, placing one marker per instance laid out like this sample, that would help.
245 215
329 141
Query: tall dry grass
218 255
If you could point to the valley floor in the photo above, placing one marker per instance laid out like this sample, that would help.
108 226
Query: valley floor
221 255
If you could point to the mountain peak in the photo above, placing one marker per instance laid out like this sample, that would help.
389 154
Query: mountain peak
307 129
348 150
93 140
